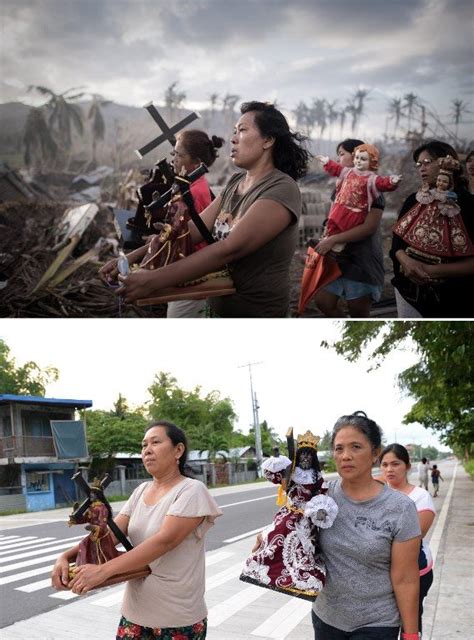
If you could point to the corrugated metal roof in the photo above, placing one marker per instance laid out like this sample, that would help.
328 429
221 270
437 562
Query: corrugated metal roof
9 397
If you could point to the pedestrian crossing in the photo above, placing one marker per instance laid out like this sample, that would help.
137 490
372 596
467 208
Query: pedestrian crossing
236 610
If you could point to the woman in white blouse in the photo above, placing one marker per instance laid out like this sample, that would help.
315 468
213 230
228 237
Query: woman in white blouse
166 520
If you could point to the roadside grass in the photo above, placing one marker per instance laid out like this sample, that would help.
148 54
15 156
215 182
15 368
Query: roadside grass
469 466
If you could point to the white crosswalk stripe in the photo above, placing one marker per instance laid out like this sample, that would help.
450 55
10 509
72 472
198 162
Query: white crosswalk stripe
31 544
6 543
36 552
219 613
16 577
284 620
249 611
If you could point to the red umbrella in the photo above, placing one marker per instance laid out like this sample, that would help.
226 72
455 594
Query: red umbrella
318 272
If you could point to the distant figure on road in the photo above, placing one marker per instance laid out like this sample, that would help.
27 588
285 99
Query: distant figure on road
395 466
435 478
371 551
423 470
166 520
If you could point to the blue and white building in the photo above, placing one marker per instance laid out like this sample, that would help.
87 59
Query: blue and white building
42 444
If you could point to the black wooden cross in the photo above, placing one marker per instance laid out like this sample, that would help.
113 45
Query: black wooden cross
98 491
168 132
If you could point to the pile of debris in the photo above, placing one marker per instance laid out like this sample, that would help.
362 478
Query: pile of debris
49 258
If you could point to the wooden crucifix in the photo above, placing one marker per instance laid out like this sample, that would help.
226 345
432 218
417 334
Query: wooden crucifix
97 492
168 133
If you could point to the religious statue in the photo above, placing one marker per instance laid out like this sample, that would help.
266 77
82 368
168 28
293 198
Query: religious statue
433 228
356 189
99 546
286 557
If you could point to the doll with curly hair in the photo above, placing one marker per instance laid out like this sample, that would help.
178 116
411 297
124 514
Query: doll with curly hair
356 189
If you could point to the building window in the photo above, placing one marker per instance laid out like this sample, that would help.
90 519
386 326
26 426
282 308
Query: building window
7 427
37 481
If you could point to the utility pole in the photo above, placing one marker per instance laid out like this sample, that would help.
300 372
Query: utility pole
256 423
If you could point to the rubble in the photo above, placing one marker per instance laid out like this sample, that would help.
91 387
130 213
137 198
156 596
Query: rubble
39 280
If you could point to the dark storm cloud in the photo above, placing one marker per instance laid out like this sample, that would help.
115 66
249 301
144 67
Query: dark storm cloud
84 37
292 50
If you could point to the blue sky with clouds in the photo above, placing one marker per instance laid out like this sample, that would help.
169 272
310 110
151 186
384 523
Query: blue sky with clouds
131 50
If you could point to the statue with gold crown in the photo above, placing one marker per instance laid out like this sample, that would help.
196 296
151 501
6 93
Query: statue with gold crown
286 556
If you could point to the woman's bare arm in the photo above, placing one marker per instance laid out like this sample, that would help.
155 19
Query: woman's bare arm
264 220
405 577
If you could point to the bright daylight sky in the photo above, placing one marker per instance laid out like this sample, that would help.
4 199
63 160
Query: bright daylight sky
298 384
131 50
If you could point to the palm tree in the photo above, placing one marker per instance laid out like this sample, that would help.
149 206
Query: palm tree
342 119
459 107
63 116
305 118
396 109
214 442
228 104
410 101
40 148
352 110
333 115
173 99
213 98
319 113
98 124
358 100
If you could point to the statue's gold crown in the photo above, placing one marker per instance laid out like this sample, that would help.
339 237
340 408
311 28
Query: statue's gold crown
448 164
307 440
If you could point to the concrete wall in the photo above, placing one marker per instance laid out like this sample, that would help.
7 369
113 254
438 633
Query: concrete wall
15 501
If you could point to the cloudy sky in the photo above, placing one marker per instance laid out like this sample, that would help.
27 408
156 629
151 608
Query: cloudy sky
298 383
131 50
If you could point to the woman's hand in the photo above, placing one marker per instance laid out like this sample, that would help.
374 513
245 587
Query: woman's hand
109 272
86 577
138 284
325 245
413 270
258 543
60 574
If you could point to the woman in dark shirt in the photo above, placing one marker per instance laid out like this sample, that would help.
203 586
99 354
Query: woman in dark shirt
442 290
361 262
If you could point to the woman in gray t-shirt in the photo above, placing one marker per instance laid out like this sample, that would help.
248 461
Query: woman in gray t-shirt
371 551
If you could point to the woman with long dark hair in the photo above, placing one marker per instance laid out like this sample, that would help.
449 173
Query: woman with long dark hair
166 520
439 286
361 263
254 222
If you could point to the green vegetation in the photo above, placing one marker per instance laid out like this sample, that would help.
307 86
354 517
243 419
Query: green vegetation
29 379
469 466
441 382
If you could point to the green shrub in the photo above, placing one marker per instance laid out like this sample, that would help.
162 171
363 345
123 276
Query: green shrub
469 466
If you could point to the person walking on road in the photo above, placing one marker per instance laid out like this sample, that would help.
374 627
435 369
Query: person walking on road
371 551
395 466
423 470
166 520
435 478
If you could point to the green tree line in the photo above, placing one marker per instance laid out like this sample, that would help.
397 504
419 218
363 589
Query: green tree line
441 381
